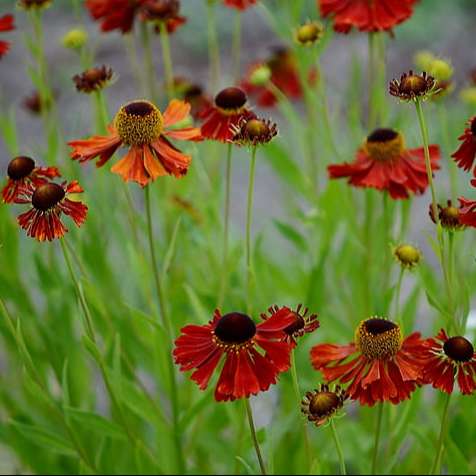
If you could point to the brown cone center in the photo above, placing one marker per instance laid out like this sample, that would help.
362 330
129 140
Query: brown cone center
379 326
382 135
459 348
473 127
323 402
20 167
230 98
413 84
235 328
296 325
139 108
47 196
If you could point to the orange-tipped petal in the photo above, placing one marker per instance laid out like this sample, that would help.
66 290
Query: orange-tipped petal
96 146
131 167
188 133
174 161
176 111
152 164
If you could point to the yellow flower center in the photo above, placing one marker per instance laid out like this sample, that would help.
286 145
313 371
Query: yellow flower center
407 255
384 144
138 123
378 338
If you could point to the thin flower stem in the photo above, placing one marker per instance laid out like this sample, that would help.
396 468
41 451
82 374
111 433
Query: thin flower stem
169 331
253 436
167 60
149 62
226 225
397 295
137 71
372 114
436 467
102 116
452 167
307 443
213 47
340 454
378 431
249 220
236 47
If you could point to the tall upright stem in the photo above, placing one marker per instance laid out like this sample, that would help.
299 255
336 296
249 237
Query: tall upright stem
236 47
378 431
340 453
226 225
102 116
397 295
167 60
149 62
253 436
436 467
213 47
249 220
169 331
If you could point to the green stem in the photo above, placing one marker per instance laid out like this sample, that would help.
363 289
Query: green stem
338 448
149 62
297 392
436 467
236 47
169 331
137 70
397 295
226 225
253 436
102 116
378 431
167 60
213 47
249 220
368 255
452 167
372 114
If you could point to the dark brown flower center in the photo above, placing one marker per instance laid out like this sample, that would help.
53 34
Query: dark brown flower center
378 338
193 91
230 98
413 84
20 167
139 108
382 135
459 348
379 326
473 127
235 328
296 325
323 403
47 196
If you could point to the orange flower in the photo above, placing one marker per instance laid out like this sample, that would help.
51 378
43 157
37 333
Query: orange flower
141 126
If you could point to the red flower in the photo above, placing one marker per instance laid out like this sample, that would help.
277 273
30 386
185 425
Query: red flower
447 359
194 95
115 14
384 163
240 4
21 172
383 366
254 355
467 212
166 11
284 75
366 15
6 24
142 127
466 154
221 120
48 202
302 323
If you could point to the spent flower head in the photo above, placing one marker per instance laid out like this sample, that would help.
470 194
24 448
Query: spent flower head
323 404
412 86
254 131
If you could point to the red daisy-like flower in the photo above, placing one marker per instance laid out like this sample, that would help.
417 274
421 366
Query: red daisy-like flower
466 153
379 365
163 12
141 126
23 171
283 74
6 24
48 202
115 14
303 323
467 212
253 354
240 4
379 15
222 118
194 95
448 359
384 163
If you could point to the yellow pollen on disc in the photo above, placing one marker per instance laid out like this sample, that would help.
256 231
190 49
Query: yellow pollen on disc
378 338
385 150
139 123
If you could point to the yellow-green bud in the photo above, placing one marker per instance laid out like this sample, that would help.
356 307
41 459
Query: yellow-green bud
407 255
441 69
468 95
75 39
423 59
260 76
309 33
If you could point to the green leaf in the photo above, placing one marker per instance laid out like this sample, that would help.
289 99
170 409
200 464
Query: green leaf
291 234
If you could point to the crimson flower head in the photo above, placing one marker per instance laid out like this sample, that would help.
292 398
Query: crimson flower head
163 12
222 118
449 216
384 163
467 211
466 153
303 323
379 366
115 14
253 354
447 359
366 15
140 126
21 172
6 24
48 202
240 4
